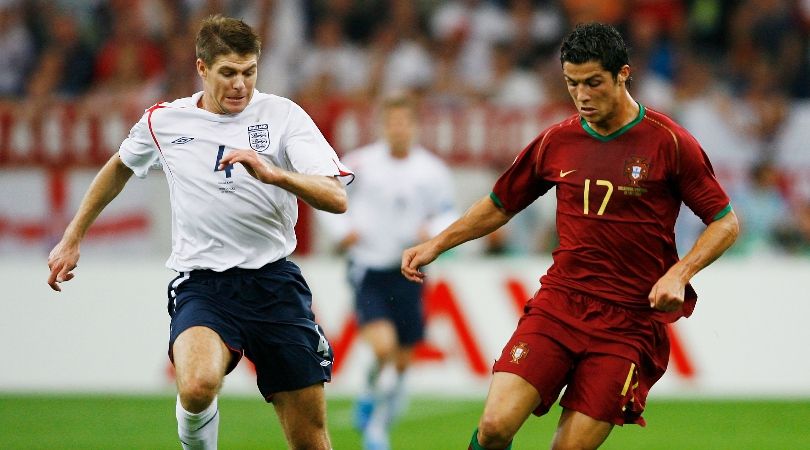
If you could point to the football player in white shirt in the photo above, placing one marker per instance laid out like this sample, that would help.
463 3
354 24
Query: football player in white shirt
235 160
404 194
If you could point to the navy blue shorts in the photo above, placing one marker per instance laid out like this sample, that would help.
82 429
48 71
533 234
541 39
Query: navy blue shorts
265 314
386 294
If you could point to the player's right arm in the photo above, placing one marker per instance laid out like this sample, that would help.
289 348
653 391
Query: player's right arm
107 184
483 217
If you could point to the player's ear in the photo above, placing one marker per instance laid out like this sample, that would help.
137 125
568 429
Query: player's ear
202 70
624 74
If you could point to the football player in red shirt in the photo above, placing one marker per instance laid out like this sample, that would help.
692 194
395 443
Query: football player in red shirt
597 326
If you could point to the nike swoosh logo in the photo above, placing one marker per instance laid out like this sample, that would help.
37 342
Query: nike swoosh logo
564 174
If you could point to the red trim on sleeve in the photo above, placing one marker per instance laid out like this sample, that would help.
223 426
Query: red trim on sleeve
152 109
342 173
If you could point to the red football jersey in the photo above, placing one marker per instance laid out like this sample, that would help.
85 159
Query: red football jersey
618 197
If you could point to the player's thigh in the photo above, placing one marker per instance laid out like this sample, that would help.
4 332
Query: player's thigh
509 402
577 430
302 412
381 335
200 349
200 327
605 387
543 362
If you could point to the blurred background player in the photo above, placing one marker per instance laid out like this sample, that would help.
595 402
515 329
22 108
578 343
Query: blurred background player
403 195
597 326
236 293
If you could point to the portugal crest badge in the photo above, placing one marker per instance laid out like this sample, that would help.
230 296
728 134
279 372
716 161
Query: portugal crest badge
259 137
519 351
636 169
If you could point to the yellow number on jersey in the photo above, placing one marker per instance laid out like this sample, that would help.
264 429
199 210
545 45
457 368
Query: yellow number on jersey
605 200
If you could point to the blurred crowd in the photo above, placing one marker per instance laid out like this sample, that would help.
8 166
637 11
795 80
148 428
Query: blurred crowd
750 57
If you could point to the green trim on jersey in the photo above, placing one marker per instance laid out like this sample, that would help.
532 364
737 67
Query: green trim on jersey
497 201
641 112
722 213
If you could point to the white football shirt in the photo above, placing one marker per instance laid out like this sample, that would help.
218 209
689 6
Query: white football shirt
226 218
393 201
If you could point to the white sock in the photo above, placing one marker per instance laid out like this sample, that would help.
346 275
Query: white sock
198 431
377 430
391 400
397 399
372 376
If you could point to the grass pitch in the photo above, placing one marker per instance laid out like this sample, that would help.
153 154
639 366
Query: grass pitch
147 422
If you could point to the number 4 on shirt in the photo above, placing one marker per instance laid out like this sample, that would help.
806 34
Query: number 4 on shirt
227 168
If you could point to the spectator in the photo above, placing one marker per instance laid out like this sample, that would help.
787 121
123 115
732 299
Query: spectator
796 239
65 67
179 78
16 49
511 85
764 212
583 11
760 109
130 58
767 30
475 25
653 60
535 30
397 63
281 27
707 26
330 54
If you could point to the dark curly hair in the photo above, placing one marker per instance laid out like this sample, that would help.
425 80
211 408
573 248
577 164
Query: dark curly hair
595 42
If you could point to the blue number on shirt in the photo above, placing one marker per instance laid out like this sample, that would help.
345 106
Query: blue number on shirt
228 168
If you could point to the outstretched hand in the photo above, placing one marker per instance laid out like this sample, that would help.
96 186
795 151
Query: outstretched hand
256 166
61 261
416 257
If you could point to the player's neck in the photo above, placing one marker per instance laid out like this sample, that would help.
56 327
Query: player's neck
400 152
207 103
627 110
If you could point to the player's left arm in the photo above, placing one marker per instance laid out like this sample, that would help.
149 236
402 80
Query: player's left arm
319 191
668 293
702 193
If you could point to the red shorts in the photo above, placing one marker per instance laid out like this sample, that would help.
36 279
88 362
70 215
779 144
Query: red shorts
606 356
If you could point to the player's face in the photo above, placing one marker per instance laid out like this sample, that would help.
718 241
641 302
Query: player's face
596 93
228 84
399 128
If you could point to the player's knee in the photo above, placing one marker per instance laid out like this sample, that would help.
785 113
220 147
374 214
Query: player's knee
197 393
384 350
494 431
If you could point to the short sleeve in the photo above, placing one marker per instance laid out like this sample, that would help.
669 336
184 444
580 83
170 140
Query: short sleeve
307 149
442 203
138 151
521 185
699 188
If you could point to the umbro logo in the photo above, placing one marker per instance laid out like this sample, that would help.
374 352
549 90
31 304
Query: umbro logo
182 140
325 363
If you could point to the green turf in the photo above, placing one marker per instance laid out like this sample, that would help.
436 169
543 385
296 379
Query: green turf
117 422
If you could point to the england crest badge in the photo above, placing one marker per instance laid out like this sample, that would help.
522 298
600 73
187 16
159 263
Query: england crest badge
259 137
